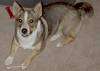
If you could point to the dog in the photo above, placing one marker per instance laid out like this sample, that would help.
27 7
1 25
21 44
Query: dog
35 26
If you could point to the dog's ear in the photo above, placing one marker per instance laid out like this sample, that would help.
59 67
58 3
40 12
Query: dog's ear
17 7
38 9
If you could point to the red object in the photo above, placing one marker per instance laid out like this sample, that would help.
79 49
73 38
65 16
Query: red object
8 9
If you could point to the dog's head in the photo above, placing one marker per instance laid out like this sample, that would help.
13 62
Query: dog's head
26 19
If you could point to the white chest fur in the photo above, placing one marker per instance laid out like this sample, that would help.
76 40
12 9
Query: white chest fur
29 41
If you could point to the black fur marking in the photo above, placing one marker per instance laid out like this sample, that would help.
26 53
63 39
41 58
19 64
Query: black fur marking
57 3
84 6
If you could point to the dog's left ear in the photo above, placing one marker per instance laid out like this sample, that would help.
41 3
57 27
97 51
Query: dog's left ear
38 9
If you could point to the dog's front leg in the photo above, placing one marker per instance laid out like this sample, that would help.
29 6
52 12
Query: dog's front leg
13 49
34 53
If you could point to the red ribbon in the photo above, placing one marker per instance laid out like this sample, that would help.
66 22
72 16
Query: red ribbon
10 13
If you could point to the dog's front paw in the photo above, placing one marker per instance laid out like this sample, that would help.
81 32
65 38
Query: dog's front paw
9 60
55 37
24 66
59 45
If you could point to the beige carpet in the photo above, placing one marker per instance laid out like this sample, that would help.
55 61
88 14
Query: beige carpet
82 55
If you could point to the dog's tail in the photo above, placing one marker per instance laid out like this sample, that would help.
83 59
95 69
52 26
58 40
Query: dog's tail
84 8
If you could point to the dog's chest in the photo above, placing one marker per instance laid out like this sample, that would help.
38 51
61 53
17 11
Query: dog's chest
28 43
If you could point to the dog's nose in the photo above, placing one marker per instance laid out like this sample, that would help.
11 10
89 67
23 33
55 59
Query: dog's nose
24 30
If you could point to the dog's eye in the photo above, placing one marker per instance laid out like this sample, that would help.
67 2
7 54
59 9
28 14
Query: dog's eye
20 20
31 20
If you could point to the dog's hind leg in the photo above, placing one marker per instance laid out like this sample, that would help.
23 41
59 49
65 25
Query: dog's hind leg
13 50
67 39
72 34
70 31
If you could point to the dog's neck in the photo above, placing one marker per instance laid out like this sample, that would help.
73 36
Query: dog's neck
29 41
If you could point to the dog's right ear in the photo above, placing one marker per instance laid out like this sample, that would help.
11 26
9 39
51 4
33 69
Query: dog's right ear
17 7
38 9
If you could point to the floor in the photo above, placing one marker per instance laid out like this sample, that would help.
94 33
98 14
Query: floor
81 55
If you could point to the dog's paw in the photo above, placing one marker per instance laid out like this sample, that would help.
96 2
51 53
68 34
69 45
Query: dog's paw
23 66
69 40
9 60
59 45
55 37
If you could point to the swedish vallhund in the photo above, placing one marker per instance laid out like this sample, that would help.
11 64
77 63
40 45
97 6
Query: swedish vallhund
35 26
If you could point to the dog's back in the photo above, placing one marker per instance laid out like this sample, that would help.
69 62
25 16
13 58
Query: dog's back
55 13
66 15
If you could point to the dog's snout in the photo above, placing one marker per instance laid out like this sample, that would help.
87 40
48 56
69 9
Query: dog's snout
24 30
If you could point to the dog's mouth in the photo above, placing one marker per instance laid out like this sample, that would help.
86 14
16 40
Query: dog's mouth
25 35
